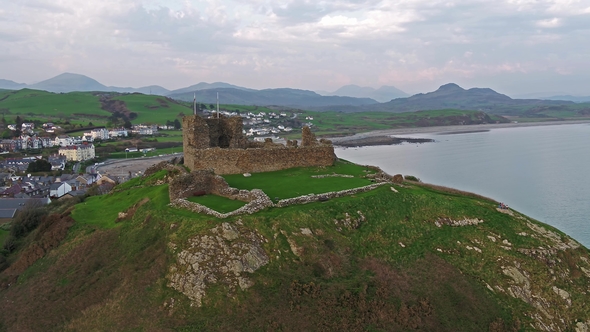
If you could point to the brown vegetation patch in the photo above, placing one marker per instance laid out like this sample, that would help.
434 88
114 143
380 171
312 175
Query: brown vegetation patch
430 295
50 233
92 285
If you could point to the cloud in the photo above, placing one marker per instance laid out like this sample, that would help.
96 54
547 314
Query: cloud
298 43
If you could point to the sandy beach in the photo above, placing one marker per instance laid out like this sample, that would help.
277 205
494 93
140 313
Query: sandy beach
442 130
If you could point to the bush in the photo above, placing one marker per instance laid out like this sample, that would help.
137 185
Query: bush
412 178
27 219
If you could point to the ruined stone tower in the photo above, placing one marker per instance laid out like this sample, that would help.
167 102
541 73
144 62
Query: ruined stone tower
219 144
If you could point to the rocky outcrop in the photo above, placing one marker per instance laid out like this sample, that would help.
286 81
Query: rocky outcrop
225 255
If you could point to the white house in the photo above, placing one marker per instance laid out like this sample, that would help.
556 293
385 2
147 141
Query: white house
58 189
118 132
63 140
99 133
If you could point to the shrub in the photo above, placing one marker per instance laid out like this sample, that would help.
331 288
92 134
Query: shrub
412 178
27 219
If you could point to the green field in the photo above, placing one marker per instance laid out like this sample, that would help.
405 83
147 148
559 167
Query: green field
76 107
217 203
153 109
84 107
336 123
295 182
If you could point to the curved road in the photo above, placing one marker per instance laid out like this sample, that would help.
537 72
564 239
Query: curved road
121 168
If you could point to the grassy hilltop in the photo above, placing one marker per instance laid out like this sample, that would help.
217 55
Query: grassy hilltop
82 107
417 257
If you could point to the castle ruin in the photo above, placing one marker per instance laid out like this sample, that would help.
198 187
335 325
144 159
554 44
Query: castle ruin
221 145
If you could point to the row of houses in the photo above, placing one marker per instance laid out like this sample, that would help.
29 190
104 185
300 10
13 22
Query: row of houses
49 186
20 165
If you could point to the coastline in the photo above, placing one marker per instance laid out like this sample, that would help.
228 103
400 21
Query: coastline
448 130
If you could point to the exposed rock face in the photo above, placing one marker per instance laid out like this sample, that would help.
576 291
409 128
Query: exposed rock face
226 254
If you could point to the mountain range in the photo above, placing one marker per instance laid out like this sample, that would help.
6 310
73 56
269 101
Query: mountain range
349 98
382 95
452 96
206 92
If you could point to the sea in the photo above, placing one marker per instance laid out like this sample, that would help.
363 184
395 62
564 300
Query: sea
541 171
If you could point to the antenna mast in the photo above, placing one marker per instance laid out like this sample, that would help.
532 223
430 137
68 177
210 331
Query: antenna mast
195 104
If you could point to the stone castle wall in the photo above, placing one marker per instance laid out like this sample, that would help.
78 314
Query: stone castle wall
219 144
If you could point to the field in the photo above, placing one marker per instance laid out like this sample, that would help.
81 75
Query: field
337 123
153 109
80 107
295 182
84 107
217 203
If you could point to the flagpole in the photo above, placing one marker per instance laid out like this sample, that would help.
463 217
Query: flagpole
218 105
195 104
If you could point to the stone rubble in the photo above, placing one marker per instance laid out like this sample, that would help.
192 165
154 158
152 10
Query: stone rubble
457 223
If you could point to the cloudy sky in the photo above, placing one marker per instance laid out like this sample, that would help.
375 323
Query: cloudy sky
513 46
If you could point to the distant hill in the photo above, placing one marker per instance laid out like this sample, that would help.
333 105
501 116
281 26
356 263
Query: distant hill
11 85
206 86
68 82
453 96
206 92
575 99
279 97
383 94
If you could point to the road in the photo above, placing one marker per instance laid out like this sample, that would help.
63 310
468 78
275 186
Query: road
121 168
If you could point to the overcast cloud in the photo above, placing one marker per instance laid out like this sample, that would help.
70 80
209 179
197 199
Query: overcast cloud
512 46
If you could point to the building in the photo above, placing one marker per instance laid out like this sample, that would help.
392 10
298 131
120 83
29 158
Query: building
79 152
58 189
118 132
10 206
63 140
99 133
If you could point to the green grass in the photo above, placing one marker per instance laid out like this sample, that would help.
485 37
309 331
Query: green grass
217 203
3 235
49 104
103 211
358 272
334 123
153 109
298 181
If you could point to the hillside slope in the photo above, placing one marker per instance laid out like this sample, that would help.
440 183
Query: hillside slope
417 257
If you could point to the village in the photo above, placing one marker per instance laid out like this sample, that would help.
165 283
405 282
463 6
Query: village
18 190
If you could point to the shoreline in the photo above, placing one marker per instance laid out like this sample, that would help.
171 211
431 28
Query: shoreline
454 129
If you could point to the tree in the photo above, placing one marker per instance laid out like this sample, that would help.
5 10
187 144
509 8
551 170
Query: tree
176 124
7 134
39 165
90 124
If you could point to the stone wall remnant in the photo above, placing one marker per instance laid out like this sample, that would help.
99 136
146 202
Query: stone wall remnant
220 145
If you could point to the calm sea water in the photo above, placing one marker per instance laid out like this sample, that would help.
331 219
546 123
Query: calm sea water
543 172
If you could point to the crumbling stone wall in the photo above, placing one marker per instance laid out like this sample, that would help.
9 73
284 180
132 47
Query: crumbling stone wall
219 144
220 132
235 161
205 181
